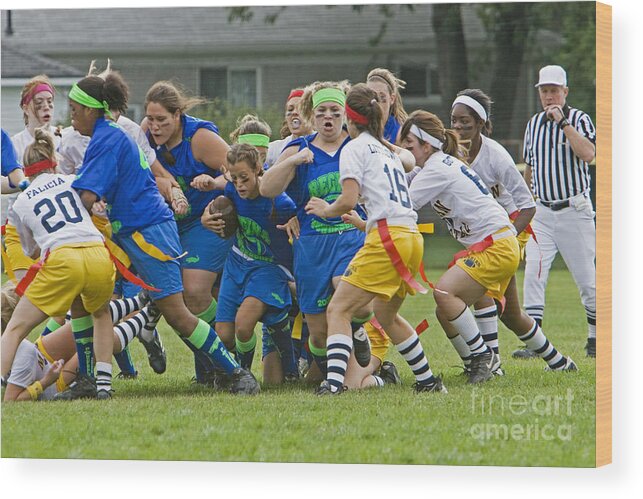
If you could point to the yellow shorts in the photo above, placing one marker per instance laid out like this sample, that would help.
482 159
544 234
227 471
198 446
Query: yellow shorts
371 268
17 258
523 237
83 270
379 343
494 267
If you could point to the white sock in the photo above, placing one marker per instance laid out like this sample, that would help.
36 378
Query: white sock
338 351
487 321
465 325
103 376
462 348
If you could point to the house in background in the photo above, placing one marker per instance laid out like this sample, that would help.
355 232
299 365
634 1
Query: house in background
253 63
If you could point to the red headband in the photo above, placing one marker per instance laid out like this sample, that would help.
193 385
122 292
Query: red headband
355 116
295 93
41 87
33 168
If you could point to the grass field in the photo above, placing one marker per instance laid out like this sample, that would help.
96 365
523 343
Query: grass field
527 418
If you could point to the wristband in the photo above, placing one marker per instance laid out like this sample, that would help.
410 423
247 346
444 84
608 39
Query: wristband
35 390
61 386
563 123
23 184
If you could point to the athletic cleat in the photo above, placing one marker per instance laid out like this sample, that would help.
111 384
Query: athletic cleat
362 347
389 374
303 366
498 371
124 375
156 355
523 353
291 378
244 383
590 347
569 365
218 379
482 367
144 297
436 387
83 387
104 394
324 389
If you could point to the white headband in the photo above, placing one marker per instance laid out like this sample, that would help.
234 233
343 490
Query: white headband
421 134
473 104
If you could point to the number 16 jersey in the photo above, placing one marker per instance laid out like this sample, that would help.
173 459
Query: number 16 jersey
49 213
381 179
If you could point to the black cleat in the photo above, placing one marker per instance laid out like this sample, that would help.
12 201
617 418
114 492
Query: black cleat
389 374
569 366
156 355
590 347
524 353
436 387
83 387
482 367
104 394
219 380
124 375
324 389
243 382
362 347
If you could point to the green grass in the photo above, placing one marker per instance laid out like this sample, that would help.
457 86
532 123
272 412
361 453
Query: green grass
164 417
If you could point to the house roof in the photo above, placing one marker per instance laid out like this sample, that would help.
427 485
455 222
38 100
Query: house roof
202 29
21 64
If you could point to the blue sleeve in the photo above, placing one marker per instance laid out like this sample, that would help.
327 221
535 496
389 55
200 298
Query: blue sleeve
285 207
99 173
229 191
9 156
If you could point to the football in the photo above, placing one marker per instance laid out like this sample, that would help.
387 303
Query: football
228 212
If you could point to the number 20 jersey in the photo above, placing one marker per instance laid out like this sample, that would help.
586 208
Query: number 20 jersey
381 179
459 197
53 213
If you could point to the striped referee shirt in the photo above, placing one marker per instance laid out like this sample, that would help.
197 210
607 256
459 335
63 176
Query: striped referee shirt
556 172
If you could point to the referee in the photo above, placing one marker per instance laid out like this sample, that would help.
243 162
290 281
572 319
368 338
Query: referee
559 144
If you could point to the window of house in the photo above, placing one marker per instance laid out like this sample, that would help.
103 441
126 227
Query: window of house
237 86
421 81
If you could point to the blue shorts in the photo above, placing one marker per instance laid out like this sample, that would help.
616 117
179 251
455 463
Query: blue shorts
126 289
243 278
165 276
319 258
206 250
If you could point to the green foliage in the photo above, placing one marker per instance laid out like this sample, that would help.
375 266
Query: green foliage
227 117
168 418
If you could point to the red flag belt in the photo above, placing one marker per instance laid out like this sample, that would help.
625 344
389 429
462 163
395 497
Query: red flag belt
396 259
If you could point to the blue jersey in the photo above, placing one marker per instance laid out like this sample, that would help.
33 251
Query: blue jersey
258 236
391 129
9 157
318 179
186 168
116 169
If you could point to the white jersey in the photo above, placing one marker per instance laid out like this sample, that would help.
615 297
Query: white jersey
382 180
28 367
496 168
21 141
50 214
461 199
73 145
275 148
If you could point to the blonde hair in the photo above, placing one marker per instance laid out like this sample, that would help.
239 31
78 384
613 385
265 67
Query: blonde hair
9 301
306 103
172 97
395 85
247 153
432 125
250 124
28 87
41 148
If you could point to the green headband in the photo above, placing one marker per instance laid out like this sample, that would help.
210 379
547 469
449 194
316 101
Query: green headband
329 95
254 139
78 95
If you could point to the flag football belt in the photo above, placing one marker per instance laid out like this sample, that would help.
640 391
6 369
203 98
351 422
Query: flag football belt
124 271
480 246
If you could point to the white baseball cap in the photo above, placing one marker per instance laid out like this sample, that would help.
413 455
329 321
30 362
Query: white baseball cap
552 75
